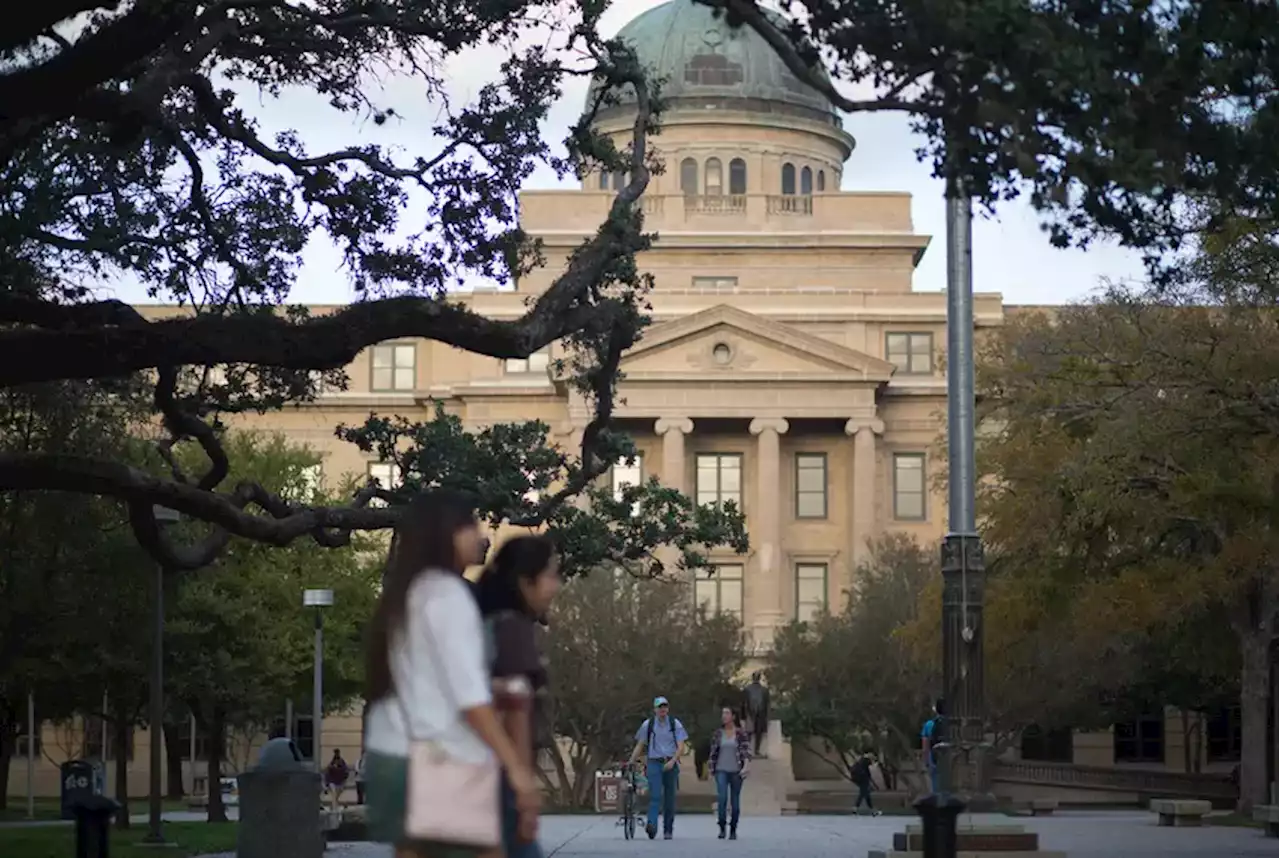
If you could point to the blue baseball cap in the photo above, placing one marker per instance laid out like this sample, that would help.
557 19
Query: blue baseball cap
660 701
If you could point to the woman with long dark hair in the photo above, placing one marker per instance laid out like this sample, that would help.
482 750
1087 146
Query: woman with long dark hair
515 590
427 674
730 752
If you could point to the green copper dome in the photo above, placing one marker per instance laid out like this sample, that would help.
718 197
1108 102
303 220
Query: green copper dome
706 63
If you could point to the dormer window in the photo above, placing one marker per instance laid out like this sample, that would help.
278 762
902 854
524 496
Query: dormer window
712 70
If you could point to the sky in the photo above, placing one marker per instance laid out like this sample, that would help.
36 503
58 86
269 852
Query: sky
1012 255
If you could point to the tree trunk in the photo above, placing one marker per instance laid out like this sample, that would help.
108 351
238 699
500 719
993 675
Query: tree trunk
217 738
120 738
1257 653
173 753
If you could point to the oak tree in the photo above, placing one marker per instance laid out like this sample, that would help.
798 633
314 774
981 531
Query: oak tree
141 159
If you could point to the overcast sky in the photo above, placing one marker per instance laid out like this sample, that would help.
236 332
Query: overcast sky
1012 255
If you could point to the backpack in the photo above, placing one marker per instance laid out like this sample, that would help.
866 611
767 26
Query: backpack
671 722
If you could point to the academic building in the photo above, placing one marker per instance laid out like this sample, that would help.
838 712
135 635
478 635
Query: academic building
790 368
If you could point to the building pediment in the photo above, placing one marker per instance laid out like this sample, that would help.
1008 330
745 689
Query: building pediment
728 343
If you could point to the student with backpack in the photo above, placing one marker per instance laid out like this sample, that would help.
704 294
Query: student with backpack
662 739
860 774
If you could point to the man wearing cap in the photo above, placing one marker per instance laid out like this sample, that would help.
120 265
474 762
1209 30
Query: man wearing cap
662 740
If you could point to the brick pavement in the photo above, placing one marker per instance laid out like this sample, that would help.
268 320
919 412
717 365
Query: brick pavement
1082 834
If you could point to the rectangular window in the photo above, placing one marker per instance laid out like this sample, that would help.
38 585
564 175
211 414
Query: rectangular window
811 590
94 732
1048 746
719 478
388 476
534 363
908 486
20 746
723 284
911 353
201 741
394 367
304 736
1222 735
811 485
719 590
1140 740
627 474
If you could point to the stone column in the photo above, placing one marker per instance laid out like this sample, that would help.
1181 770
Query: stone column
862 499
672 431
766 529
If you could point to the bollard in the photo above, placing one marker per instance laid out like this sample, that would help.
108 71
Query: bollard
93 821
938 812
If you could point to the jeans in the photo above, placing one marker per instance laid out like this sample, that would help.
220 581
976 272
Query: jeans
933 777
510 826
728 792
662 794
864 794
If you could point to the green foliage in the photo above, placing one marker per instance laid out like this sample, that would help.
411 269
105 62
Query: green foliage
1111 116
516 475
1131 493
614 643
852 681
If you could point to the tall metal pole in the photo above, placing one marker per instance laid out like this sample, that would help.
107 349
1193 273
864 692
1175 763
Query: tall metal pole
962 560
317 692
154 833
31 755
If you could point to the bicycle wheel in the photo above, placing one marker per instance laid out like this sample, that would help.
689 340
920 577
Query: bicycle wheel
629 816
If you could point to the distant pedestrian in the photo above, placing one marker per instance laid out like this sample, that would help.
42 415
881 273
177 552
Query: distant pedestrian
730 753
336 774
860 774
931 735
360 779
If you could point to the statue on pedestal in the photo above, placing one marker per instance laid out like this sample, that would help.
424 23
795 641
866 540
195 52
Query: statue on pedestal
755 706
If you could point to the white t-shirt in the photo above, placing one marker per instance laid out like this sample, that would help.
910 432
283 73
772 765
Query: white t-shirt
439 668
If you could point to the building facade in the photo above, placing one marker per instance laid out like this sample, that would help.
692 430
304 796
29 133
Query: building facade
790 366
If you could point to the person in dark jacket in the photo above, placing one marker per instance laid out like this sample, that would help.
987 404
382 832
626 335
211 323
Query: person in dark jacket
514 592
860 774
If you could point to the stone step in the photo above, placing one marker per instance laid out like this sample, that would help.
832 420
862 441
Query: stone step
1003 842
1030 853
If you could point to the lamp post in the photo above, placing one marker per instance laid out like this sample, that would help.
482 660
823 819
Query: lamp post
318 599
155 835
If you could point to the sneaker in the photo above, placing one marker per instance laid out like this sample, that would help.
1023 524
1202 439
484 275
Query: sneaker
733 834
667 835
651 830
875 813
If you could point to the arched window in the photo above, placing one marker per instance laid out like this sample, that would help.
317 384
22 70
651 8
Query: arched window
737 176
714 177
789 179
619 181
806 181
604 181
689 177
822 180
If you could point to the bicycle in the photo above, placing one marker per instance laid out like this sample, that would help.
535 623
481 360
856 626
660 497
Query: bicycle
629 800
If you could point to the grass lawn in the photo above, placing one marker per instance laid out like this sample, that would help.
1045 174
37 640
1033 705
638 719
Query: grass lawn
51 808
50 841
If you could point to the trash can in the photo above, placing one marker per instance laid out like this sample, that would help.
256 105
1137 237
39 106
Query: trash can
80 780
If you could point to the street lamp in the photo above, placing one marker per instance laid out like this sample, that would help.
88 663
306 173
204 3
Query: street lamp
317 599
164 516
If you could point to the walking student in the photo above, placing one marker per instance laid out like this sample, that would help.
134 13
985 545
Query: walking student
860 774
662 740
730 752
429 680
514 590
930 735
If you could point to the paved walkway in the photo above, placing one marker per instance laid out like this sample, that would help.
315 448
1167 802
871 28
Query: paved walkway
1081 834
